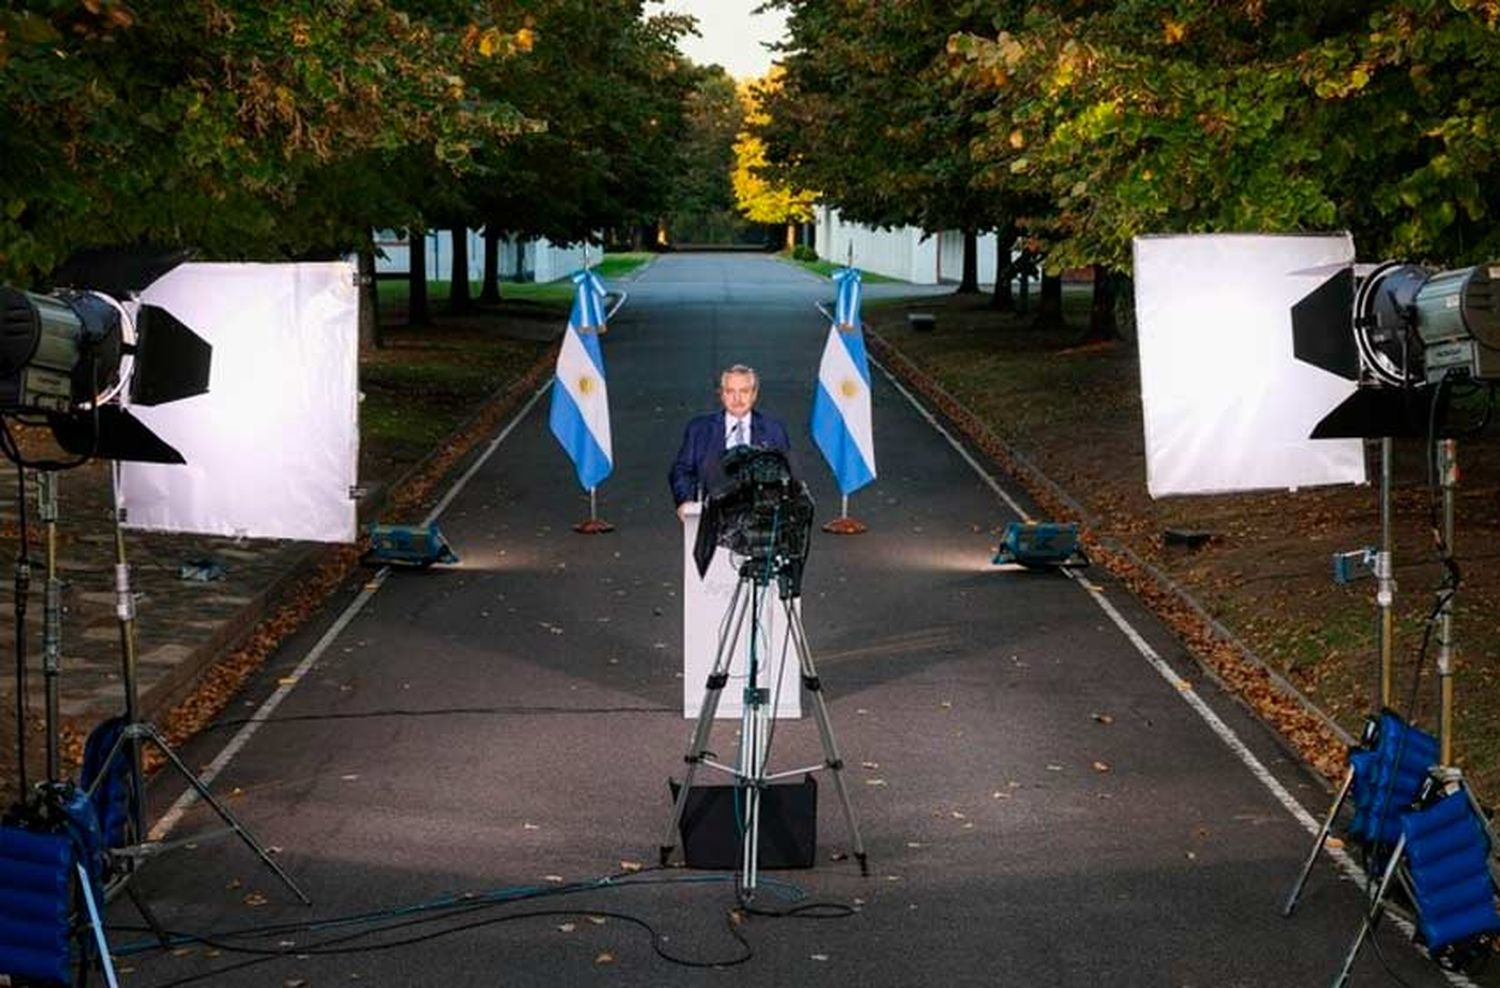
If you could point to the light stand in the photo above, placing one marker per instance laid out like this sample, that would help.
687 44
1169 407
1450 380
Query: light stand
1385 582
751 775
1447 465
22 595
51 620
137 731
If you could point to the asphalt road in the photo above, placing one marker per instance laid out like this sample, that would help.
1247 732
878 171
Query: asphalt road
1041 804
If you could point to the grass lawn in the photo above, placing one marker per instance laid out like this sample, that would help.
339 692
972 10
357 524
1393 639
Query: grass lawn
824 268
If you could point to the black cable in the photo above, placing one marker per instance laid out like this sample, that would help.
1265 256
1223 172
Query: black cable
335 946
807 910
435 712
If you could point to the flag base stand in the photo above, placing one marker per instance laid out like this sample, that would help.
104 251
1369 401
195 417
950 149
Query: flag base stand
845 525
594 525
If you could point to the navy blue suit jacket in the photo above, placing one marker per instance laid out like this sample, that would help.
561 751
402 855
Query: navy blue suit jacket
696 470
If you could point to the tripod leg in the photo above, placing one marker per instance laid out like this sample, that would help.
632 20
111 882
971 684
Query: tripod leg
698 747
752 785
831 755
1312 857
223 812
96 923
1371 915
150 917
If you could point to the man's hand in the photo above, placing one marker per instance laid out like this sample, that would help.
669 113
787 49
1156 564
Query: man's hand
682 512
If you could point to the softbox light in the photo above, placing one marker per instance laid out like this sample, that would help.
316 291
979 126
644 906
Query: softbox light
272 448
1228 406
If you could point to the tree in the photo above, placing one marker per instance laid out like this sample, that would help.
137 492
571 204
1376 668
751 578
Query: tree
702 202
1267 116
870 114
610 85
236 128
758 198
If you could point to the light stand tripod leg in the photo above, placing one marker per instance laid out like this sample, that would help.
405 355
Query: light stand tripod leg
832 759
136 730
1312 857
157 930
698 747
1372 914
96 924
229 818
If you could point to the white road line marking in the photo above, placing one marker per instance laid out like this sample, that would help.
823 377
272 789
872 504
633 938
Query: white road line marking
174 815
1183 689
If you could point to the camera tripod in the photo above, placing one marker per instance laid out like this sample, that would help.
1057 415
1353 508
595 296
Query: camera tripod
751 775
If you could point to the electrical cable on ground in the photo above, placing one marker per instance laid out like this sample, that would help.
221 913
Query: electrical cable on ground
451 907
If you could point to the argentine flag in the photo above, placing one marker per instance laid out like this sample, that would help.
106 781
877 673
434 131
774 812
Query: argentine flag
580 401
841 407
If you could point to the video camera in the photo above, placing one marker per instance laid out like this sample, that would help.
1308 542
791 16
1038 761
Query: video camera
761 513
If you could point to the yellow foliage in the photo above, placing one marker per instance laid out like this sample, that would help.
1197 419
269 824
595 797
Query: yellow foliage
756 198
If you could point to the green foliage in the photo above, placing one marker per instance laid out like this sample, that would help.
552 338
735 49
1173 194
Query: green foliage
1163 116
802 252
613 89
869 114
249 130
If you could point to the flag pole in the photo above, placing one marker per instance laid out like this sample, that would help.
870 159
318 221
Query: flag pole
594 525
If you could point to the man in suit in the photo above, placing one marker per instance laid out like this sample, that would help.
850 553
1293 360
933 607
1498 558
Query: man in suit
696 471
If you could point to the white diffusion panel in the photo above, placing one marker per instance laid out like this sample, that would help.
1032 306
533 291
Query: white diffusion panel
1227 405
272 449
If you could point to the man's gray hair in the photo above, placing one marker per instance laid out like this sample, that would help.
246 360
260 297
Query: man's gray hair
740 369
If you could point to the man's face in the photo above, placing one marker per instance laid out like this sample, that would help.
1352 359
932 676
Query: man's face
737 391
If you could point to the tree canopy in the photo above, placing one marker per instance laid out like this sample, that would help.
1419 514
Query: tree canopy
1090 123
761 199
243 129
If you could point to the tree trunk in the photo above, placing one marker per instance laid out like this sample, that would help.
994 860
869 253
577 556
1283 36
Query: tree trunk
791 237
969 283
1004 298
489 293
417 311
1049 310
460 299
369 302
1102 323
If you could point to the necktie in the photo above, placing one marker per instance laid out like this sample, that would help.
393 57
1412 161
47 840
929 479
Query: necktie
737 435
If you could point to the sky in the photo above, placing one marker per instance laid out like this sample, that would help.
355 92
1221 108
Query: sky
732 35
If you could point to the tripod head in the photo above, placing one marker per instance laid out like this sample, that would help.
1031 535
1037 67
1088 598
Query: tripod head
761 513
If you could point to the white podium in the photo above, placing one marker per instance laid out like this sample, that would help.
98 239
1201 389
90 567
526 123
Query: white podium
705 601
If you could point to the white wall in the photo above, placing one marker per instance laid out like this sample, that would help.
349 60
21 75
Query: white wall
951 256
540 259
907 252
902 252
